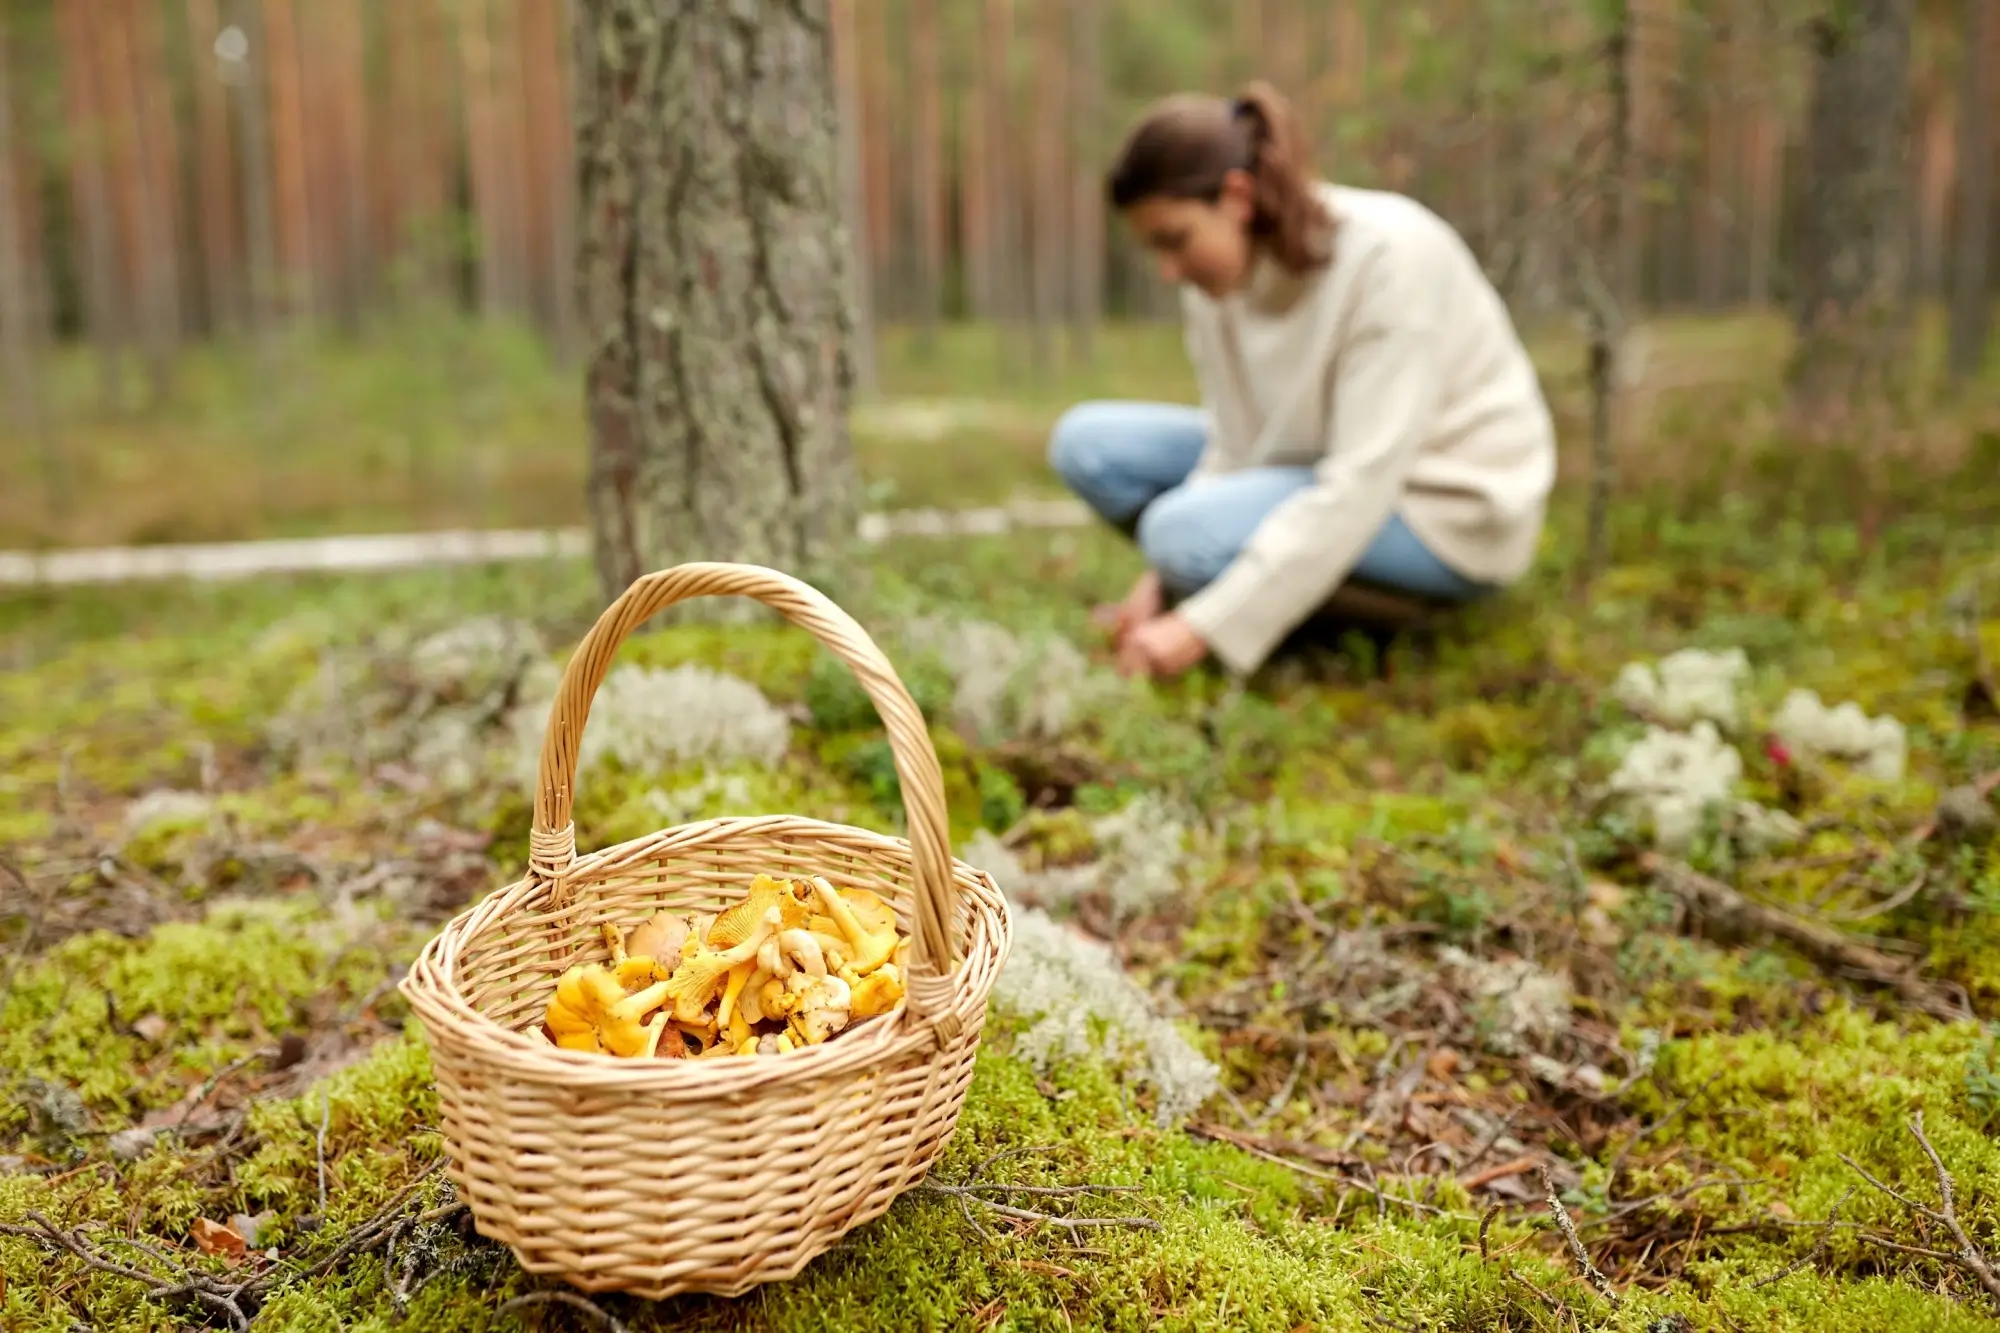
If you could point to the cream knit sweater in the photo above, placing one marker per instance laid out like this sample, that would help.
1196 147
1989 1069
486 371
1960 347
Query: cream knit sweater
1396 374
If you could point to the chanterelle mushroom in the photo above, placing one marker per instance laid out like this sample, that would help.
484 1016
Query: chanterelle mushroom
876 993
695 982
822 1007
590 1011
741 921
866 922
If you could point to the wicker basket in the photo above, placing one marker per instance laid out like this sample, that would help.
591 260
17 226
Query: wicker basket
657 1177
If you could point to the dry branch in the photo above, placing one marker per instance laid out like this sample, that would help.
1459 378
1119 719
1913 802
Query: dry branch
1830 949
1590 1270
976 1187
1969 1257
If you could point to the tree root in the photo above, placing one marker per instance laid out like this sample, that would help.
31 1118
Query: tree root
1830 949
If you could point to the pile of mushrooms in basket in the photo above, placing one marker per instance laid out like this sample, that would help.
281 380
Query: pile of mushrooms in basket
792 964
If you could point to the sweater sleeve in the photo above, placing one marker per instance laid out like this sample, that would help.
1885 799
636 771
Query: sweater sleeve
1385 390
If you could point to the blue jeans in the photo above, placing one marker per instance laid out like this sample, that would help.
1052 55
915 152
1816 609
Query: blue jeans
1129 461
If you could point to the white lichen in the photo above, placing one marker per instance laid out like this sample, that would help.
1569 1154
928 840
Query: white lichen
1080 1004
157 809
1005 686
648 719
1876 746
1690 685
1517 1004
1674 778
1140 862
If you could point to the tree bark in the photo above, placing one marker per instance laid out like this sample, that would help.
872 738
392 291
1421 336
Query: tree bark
106 310
1087 209
288 157
220 247
1971 303
711 276
1850 311
927 162
1049 225
252 92
18 336
483 166
854 192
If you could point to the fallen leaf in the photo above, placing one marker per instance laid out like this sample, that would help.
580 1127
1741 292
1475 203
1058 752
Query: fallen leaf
152 1027
1443 1063
251 1228
215 1238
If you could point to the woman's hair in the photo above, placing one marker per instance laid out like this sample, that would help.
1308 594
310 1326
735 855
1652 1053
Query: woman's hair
1185 145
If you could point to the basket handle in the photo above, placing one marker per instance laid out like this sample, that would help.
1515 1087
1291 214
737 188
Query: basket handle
552 841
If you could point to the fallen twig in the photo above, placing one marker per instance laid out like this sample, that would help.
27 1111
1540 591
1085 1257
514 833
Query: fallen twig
571 1299
1518 1167
1381 1196
1969 1256
1577 1250
976 1187
319 1144
186 1284
1811 1256
1831 949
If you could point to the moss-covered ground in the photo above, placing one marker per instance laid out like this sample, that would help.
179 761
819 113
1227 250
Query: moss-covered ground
201 1038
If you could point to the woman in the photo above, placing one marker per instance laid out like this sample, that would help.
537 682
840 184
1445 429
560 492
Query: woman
1370 420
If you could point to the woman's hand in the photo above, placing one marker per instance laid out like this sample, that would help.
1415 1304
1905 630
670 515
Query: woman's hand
1141 604
1163 646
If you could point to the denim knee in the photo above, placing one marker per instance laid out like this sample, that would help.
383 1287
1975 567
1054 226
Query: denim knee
1075 449
1178 544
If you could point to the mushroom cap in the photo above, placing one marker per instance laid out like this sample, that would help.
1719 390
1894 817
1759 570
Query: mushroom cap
659 937
739 922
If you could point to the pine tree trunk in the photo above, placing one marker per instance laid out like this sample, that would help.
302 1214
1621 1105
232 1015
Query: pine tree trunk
106 310
18 335
221 260
1854 242
252 93
1049 185
293 211
853 192
349 92
711 271
1087 205
476 60
1006 273
927 162
1971 303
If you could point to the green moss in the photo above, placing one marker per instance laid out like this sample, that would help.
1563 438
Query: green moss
236 980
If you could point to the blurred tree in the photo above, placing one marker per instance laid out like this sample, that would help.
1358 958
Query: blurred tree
712 282
1972 297
1850 307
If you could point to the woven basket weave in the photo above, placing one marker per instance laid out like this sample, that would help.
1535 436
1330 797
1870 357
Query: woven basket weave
657 1177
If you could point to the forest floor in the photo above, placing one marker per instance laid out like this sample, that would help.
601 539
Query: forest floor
1394 960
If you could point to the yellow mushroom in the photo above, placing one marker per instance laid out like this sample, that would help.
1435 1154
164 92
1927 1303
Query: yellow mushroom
732 990
701 974
867 923
742 920
590 1011
876 993
751 1002
822 1007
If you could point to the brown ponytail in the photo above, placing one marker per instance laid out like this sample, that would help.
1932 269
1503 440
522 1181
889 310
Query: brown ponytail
1185 145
